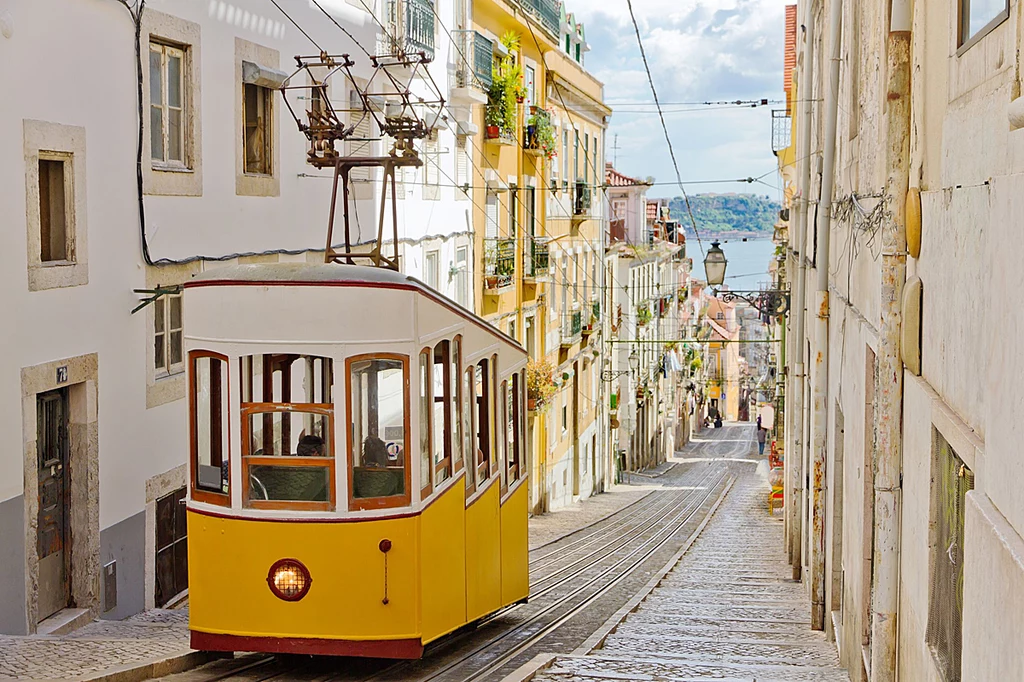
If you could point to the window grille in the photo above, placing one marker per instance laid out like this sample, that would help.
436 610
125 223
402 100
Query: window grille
951 480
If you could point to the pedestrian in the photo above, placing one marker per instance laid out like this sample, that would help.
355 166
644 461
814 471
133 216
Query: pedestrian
762 436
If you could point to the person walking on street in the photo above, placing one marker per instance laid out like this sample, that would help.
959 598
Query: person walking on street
762 436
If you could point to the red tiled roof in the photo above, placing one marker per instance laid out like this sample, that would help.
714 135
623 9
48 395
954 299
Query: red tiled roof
614 178
789 54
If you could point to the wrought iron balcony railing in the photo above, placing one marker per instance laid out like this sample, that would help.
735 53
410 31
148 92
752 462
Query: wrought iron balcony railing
544 10
537 259
592 317
474 57
581 203
414 35
572 327
782 129
499 263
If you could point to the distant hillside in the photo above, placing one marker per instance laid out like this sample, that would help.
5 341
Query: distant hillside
728 213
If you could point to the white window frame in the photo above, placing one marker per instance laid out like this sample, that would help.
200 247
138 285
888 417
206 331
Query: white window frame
434 255
163 305
166 50
265 119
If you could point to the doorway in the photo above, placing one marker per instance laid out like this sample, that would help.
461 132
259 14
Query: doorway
171 547
53 533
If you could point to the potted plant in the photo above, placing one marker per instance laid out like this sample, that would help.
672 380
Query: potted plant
643 315
540 383
540 133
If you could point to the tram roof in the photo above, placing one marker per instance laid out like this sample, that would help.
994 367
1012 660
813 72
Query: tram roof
333 274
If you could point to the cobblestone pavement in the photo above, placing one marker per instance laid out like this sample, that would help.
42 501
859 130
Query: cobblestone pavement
726 611
101 646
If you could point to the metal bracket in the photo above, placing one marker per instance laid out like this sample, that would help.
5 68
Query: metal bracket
154 295
774 302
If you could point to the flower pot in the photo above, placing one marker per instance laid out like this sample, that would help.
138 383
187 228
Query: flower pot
493 132
519 99
531 404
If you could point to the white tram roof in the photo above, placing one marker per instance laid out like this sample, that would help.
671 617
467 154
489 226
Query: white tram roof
311 303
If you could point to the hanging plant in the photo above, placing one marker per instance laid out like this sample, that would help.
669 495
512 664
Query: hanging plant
540 133
643 315
540 383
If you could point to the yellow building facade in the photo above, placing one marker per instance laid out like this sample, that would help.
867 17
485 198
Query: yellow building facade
538 122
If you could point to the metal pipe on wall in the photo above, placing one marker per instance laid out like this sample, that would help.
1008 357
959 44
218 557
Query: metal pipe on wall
819 374
889 415
794 450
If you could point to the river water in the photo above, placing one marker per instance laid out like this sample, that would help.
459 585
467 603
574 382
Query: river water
747 260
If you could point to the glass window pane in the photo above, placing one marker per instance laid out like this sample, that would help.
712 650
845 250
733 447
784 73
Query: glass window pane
156 133
289 483
174 136
454 403
174 348
174 302
378 400
467 422
210 409
158 316
289 434
981 13
156 76
424 420
159 356
174 79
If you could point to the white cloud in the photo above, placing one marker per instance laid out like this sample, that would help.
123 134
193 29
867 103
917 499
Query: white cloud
698 50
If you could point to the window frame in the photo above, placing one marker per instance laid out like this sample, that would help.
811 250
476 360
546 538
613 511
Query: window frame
265 106
196 493
165 164
963 22
425 363
66 161
392 501
445 464
482 409
327 409
169 369
468 411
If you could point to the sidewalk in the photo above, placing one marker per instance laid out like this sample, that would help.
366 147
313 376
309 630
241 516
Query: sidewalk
557 524
726 611
148 644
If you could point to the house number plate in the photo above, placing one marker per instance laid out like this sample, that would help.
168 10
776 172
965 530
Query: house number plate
62 374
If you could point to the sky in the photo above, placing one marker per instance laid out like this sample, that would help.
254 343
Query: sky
699 51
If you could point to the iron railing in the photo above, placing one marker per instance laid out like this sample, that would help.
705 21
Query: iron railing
538 259
504 135
474 56
416 34
572 327
546 11
782 129
499 263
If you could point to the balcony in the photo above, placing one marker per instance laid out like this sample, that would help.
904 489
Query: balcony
497 134
474 56
537 263
581 206
595 318
546 11
782 129
572 328
499 264
416 34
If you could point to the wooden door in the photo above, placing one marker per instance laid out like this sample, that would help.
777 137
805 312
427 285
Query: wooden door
171 547
52 531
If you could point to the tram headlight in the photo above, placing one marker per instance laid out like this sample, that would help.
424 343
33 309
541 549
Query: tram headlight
289 579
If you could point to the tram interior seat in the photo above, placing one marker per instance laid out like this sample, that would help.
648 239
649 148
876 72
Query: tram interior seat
290 483
378 482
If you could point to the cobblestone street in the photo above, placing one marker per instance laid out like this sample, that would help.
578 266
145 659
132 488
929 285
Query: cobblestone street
726 611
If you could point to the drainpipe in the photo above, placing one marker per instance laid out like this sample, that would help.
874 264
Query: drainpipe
888 432
819 426
794 453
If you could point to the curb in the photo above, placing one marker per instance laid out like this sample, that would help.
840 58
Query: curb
155 667
597 639
593 523
529 670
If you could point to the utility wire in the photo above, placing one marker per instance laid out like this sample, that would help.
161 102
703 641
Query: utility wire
296 24
668 138
334 21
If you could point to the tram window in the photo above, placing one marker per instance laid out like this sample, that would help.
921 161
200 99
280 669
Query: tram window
287 431
501 431
425 409
209 409
441 421
514 417
455 403
468 432
497 450
481 393
378 401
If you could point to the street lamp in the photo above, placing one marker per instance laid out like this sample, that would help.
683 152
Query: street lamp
773 302
714 265
634 362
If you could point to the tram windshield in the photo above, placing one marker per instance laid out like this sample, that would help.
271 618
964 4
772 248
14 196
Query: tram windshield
378 399
288 434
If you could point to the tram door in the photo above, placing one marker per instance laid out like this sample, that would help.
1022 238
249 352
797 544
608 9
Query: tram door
52 531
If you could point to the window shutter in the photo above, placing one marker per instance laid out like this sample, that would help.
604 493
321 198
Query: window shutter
491 228
462 160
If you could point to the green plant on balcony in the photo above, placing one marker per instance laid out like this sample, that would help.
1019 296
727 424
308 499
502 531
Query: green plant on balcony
540 383
540 133
507 89
643 315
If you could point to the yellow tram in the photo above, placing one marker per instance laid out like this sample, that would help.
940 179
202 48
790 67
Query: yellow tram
356 480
